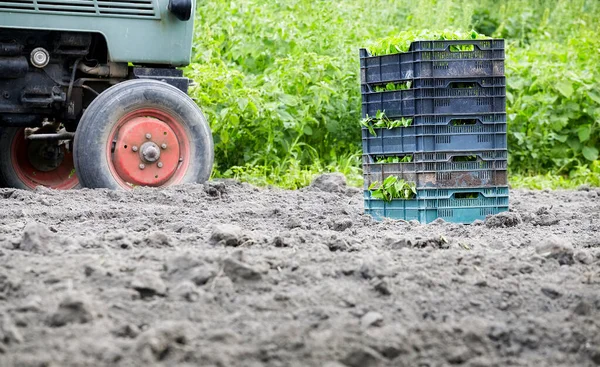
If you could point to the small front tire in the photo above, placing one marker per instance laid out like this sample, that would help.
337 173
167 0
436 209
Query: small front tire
142 133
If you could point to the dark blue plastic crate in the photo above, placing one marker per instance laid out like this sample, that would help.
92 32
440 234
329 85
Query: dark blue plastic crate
447 204
483 169
431 138
452 96
434 59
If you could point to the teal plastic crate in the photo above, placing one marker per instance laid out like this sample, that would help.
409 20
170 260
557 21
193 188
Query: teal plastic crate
452 205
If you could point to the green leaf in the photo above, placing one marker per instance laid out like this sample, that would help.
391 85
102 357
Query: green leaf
561 138
595 97
590 153
584 133
565 88
307 130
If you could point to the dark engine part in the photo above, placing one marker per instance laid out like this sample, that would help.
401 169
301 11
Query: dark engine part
170 76
56 75
36 69
13 67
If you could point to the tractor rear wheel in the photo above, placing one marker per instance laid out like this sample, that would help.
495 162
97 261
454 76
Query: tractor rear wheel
26 164
142 133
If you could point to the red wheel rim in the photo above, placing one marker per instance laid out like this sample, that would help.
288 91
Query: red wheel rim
62 177
148 147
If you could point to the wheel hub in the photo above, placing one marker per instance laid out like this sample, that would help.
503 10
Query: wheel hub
146 151
45 156
150 152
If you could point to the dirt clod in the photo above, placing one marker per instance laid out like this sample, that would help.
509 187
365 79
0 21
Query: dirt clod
74 308
504 219
159 342
556 248
148 283
226 235
236 269
330 182
36 238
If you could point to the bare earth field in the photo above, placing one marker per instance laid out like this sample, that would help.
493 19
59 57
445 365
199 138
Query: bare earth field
226 274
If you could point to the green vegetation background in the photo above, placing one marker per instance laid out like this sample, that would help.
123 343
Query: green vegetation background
279 82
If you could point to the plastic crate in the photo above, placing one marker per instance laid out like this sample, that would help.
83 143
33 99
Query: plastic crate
450 96
454 171
434 59
431 138
447 204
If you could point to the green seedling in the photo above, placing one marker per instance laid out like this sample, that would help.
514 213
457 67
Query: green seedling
381 121
405 159
393 188
390 87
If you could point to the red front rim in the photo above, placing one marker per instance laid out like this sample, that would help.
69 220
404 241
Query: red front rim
148 147
62 177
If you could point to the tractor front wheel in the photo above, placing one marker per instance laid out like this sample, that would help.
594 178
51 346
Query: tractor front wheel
142 133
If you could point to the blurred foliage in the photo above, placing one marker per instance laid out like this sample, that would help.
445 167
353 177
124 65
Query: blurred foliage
279 80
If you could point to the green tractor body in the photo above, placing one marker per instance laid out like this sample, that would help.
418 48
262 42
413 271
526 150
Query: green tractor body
64 62
141 31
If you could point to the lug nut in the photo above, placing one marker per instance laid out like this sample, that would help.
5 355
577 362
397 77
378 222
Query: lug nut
134 148
148 136
159 164
164 146
142 166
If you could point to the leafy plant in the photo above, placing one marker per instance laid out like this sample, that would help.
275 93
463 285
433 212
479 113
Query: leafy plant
394 159
392 188
401 42
381 121
389 87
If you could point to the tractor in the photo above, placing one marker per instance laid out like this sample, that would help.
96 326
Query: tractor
91 95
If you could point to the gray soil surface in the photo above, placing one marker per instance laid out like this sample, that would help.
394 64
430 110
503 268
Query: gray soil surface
226 274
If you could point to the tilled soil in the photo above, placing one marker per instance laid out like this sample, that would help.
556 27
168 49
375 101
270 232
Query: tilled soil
227 274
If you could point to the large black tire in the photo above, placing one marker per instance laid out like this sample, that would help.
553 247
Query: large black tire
16 172
104 113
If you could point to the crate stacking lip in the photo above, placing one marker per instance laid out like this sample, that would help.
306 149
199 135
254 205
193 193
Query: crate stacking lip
463 205
429 138
439 96
472 169
435 59
112 8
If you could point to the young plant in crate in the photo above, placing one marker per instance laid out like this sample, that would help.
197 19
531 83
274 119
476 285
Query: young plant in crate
393 188
381 121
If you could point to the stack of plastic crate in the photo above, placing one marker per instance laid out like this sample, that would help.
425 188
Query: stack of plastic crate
454 149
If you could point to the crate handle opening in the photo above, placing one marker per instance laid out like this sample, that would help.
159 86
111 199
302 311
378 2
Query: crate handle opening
463 85
464 158
462 48
463 122
466 195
